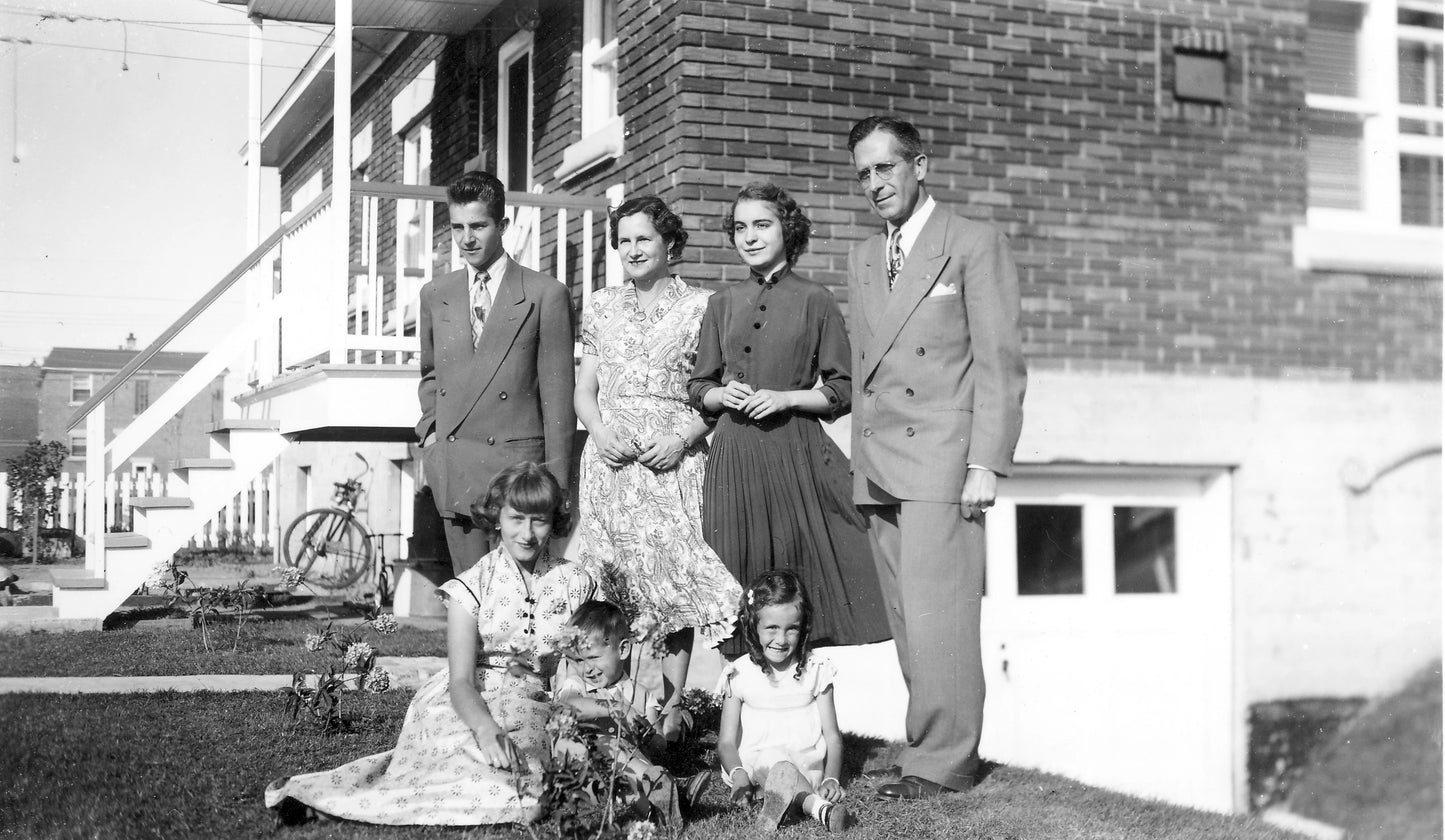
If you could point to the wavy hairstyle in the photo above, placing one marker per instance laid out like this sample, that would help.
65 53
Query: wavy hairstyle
771 589
528 487
480 186
910 143
797 228
667 223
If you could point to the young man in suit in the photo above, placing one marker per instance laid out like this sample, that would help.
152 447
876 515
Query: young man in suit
938 387
496 367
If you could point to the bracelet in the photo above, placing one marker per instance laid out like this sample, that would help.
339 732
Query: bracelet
833 780
682 437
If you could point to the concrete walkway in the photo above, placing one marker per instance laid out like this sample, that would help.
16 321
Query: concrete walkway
871 698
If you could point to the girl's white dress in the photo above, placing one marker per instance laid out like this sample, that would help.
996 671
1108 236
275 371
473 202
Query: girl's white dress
780 718
435 775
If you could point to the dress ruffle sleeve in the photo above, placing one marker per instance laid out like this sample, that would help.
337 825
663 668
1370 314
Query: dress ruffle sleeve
465 589
824 673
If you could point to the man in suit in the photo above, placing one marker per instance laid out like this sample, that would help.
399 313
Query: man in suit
938 387
496 367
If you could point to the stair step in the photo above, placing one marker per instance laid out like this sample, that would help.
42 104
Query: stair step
127 540
159 502
204 464
231 424
76 579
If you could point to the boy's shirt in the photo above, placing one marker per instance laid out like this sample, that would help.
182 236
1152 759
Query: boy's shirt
625 692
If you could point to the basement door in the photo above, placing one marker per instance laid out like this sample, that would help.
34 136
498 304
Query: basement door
1107 630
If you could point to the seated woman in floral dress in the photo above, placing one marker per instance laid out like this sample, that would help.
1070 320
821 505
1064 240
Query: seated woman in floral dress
469 748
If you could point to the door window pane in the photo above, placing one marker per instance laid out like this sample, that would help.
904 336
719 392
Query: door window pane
1144 550
518 131
1050 549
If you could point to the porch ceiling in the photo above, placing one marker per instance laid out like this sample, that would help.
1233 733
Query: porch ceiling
445 17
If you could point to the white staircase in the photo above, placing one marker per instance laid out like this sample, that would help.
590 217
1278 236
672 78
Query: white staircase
240 449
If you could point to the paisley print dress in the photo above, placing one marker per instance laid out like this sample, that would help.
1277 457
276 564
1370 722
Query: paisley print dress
640 533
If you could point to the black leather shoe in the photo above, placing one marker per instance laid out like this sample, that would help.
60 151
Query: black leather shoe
892 771
912 787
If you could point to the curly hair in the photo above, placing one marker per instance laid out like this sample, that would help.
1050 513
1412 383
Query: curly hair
602 617
797 228
771 589
527 487
667 223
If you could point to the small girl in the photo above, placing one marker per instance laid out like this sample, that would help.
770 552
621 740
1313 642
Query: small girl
779 725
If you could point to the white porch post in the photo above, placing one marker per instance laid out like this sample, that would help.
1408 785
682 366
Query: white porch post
96 502
340 180
253 134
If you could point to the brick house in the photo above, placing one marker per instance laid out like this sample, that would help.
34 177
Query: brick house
69 375
19 408
1228 227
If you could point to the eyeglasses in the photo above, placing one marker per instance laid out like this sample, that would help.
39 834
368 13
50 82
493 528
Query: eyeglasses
884 171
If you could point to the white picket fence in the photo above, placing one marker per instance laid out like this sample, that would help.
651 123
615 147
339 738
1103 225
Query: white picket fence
248 520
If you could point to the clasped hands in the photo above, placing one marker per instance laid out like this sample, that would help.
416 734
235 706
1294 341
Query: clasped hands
660 453
756 403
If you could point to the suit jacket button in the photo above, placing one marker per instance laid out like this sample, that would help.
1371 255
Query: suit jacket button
451 438
444 392
919 351
908 391
504 395
908 431
867 392
867 433
491 441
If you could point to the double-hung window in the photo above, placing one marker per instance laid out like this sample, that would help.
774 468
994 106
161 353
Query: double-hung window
1373 91
601 135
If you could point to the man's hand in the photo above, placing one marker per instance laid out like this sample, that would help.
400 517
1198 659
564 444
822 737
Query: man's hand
980 488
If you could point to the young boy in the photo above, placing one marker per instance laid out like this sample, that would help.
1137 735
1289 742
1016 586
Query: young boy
600 688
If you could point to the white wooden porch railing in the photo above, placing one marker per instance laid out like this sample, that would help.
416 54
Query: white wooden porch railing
248 519
308 304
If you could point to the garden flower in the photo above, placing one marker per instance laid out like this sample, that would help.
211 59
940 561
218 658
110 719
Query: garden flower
642 831
386 624
315 641
522 644
290 576
358 655
563 722
566 638
378 681
643 626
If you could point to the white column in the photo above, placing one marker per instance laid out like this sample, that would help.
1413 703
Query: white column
341 179
95 501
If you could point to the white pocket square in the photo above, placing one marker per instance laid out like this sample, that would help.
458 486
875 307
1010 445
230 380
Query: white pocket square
943 290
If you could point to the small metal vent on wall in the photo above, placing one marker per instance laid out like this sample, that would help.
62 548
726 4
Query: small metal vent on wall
1195 76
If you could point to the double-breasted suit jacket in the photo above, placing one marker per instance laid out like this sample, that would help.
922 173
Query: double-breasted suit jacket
938 374
507 400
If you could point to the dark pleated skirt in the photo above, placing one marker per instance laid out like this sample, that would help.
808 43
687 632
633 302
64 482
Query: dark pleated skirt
778 495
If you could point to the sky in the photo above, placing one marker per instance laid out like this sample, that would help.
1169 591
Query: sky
122 186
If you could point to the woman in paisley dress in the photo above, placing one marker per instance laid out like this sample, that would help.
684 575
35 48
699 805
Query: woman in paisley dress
772 360
470 745
643 464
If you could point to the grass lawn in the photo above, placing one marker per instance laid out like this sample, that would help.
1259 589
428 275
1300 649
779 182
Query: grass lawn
265 647
194 765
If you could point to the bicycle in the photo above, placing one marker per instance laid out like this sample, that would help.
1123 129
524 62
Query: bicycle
329 545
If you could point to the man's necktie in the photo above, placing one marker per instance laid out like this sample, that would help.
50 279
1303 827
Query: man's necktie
481 305
895 256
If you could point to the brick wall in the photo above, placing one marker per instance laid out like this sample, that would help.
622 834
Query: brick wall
1150 236
183 436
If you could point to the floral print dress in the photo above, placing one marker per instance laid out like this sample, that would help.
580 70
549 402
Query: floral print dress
435 775
640 533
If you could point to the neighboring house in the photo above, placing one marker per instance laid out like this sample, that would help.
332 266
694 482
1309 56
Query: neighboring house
70 375
1227 220
19 409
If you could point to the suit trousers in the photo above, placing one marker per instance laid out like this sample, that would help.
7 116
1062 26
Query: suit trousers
466 541
930 566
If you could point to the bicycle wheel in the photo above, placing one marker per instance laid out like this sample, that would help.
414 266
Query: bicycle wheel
329 547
